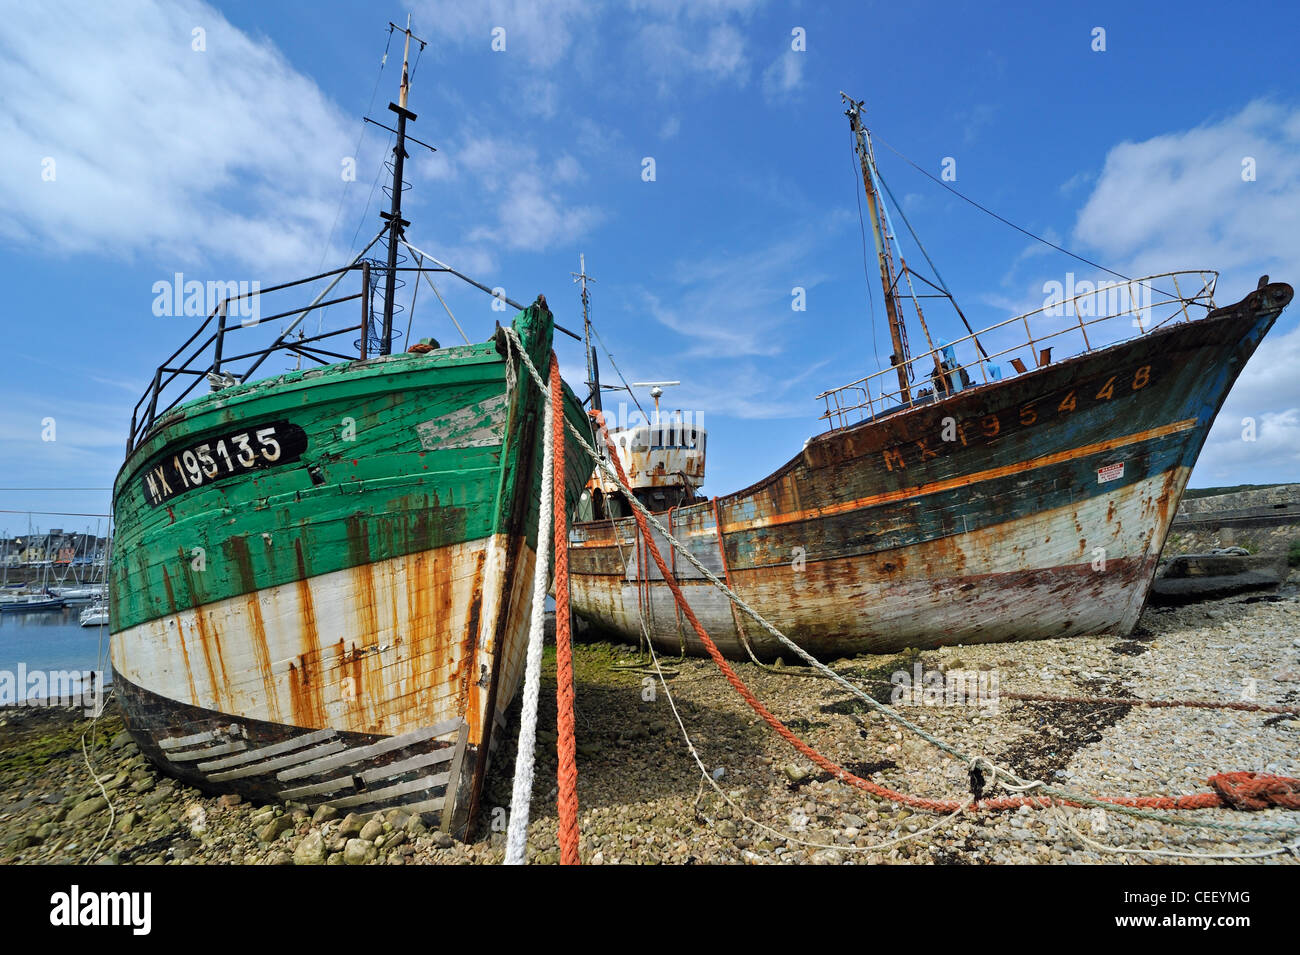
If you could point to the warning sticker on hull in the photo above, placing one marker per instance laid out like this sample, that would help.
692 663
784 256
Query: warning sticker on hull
1110 472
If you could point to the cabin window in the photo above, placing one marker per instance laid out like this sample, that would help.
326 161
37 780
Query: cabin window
638 440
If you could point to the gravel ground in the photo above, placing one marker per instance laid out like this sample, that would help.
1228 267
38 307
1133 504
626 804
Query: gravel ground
644 801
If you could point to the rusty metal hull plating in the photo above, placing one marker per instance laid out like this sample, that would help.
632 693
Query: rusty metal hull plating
1029 508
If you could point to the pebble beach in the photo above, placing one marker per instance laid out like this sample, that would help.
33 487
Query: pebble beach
644 799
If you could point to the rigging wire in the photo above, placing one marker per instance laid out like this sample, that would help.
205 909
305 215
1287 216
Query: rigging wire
356 151
866 269
1004 221
942 284
610 356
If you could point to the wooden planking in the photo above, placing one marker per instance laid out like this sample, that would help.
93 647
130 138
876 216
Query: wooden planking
234 747
388 792
180 742
371 775
317 789
266 752
259 769
454 772
427 805
374 749
408 765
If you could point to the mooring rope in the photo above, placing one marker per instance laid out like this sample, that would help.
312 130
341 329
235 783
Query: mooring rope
1277 790
521 794
566 744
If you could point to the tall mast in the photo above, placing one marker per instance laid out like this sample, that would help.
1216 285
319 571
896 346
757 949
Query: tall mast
593 371
396 224
897 333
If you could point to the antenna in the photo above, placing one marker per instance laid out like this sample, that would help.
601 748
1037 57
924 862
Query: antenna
867 159
593 371
656 390
396 224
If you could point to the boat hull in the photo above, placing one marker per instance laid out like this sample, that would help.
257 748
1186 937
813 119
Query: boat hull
1029 508
345 624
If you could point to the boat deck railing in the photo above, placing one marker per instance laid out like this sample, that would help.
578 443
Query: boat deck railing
206 354
1025 342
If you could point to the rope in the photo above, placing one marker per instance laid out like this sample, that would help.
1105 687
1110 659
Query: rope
566 747
1037 238
1139 807
1157 704
1139 701
521 794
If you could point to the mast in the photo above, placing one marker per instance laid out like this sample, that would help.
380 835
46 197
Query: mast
593 370
396 224
897 333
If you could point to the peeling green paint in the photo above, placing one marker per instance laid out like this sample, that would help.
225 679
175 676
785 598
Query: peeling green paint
404 453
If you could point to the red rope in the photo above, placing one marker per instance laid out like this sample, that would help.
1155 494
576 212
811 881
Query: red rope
1246 790
566 747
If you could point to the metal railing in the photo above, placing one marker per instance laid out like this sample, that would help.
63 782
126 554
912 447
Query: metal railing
209 360
944 371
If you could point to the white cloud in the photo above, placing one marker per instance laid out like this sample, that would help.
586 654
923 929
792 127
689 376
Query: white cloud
1178 201
532 215
674 51
531 210
540 33
734 305
160 150
783 76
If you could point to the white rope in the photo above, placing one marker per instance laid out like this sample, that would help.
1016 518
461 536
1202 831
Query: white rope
521 796
1000 774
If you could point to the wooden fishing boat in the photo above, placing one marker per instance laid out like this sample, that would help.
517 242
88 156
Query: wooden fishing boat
969 508
321 580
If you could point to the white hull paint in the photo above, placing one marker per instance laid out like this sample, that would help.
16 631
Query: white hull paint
378 649
1039 576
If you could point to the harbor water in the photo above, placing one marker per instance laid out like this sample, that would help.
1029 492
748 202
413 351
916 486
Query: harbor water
48 642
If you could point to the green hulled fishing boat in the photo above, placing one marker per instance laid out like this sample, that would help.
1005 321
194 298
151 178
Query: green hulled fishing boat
321 580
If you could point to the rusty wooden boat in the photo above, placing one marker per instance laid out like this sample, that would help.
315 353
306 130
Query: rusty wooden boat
970 507
321 579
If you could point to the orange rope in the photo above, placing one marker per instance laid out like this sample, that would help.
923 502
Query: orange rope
566 748
1235 790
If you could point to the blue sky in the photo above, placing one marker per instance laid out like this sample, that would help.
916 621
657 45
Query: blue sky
224 163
